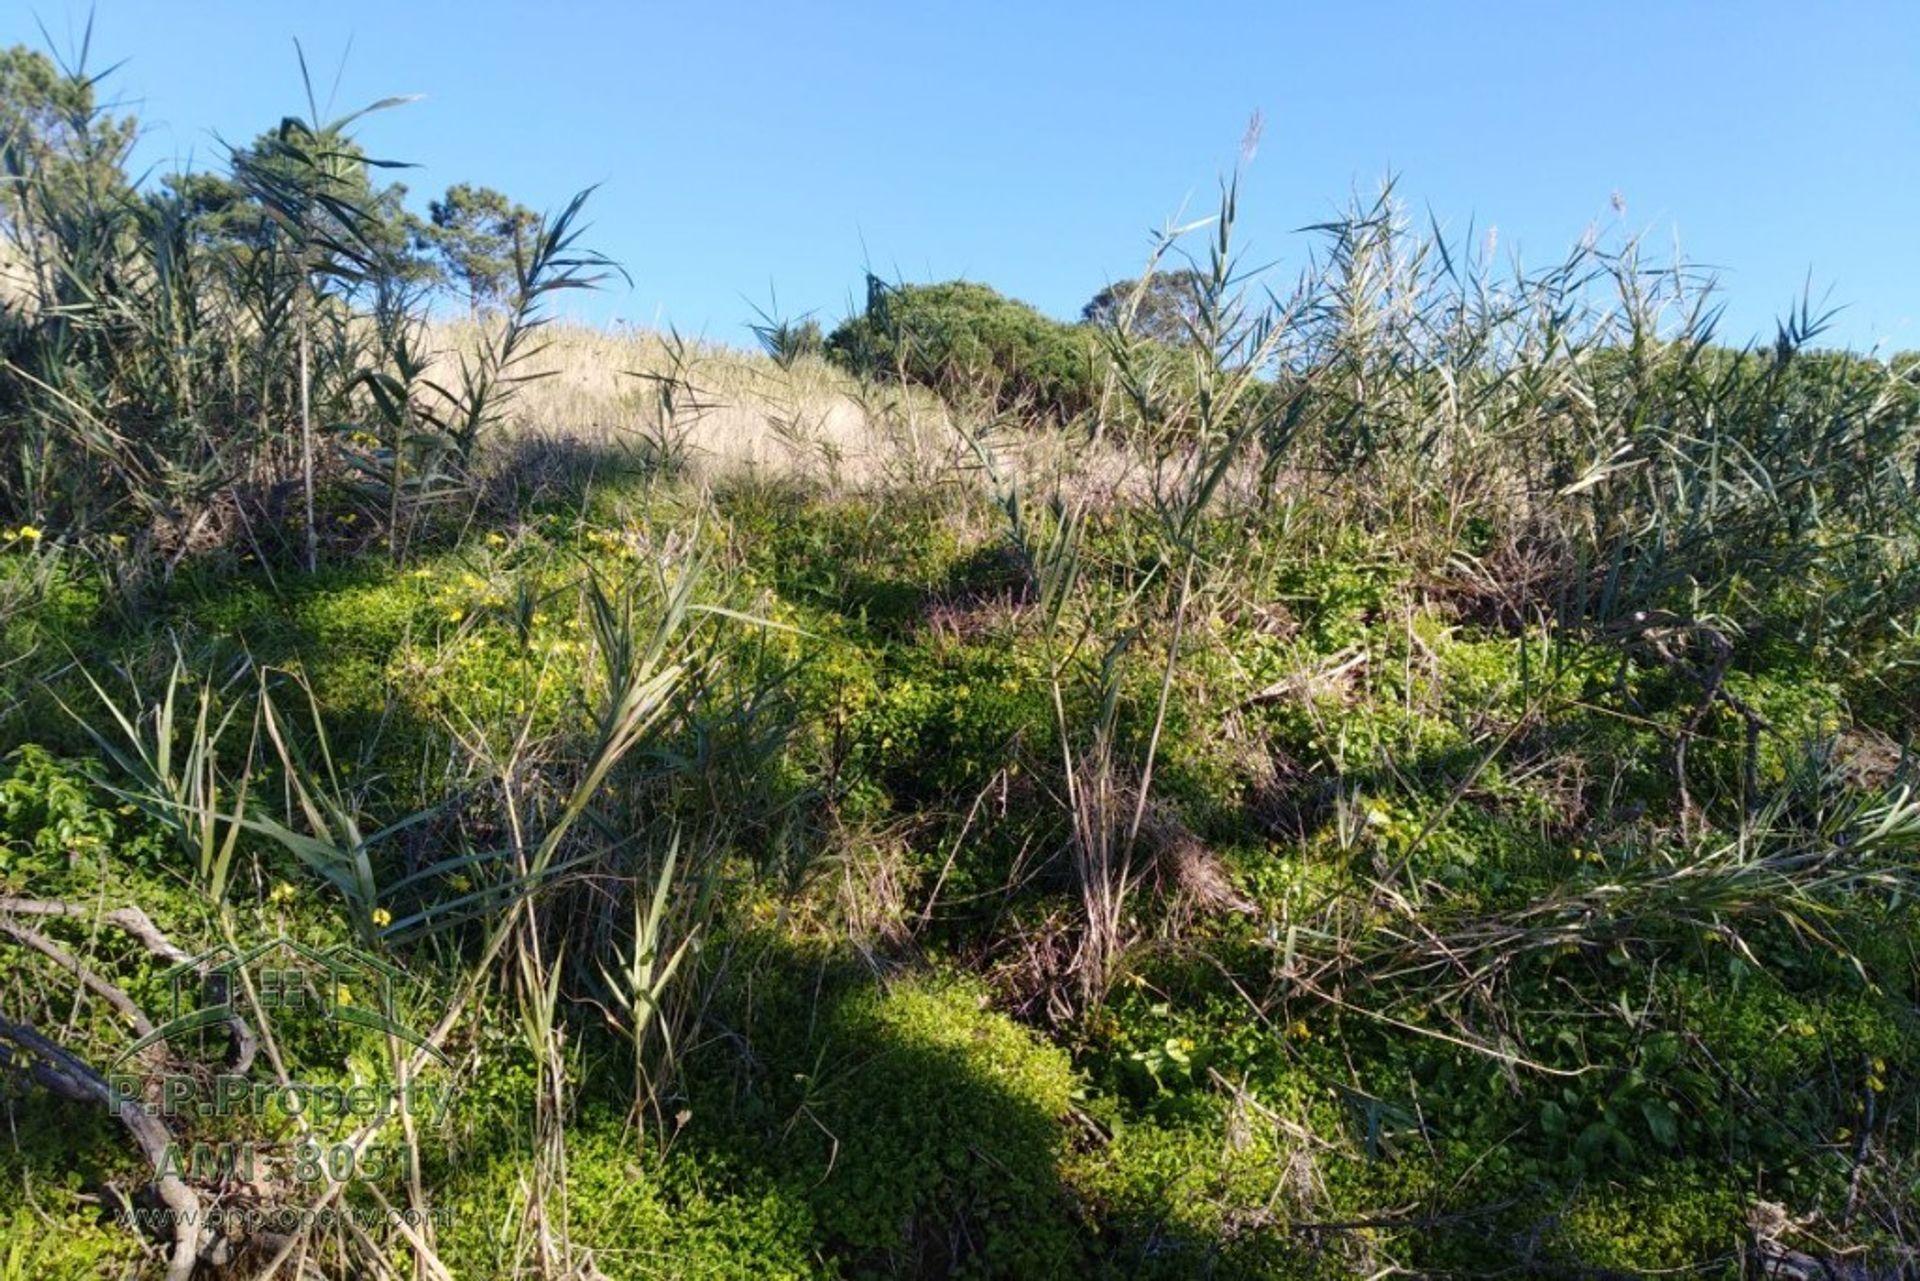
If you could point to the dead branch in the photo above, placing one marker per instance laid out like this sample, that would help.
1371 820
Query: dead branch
67 1075
113 996
131 921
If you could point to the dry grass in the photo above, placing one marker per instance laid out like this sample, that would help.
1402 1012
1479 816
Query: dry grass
16 278
737 411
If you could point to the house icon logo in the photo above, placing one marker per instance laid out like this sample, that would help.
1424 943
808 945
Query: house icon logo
282 975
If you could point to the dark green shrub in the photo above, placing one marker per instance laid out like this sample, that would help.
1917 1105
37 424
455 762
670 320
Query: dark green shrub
1168 310
961 338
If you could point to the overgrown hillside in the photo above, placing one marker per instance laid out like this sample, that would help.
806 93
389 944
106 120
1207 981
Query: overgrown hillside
1400 768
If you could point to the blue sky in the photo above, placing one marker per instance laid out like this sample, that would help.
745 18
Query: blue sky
1034 146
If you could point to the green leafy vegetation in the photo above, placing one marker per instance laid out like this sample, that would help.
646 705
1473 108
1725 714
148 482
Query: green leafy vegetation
964 339
1406 774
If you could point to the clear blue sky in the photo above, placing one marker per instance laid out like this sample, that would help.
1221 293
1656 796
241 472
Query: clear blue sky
1034 145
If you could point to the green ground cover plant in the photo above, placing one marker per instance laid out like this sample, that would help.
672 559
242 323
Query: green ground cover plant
1407 771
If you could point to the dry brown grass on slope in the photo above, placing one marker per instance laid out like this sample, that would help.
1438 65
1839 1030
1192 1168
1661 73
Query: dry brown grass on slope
16 278
724 410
